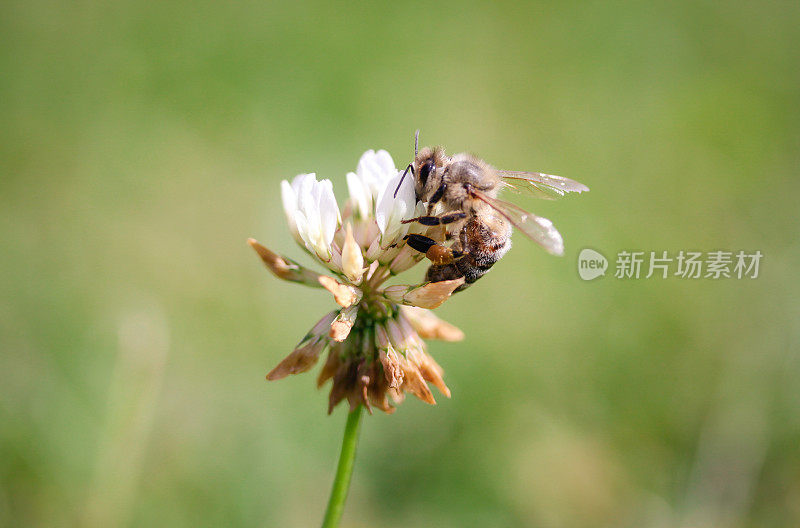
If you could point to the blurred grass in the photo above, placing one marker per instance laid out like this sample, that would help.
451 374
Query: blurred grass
142 143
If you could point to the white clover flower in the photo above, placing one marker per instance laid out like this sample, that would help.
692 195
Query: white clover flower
374 341
374 169
312 212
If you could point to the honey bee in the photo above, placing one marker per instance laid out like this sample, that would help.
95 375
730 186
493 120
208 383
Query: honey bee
460 192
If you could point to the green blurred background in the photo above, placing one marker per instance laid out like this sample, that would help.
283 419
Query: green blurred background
143 142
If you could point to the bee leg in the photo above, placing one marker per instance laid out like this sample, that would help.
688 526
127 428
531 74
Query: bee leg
437 195
448 218
435 252
419 242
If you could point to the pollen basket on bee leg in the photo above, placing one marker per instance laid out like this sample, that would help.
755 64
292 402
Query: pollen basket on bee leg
439 255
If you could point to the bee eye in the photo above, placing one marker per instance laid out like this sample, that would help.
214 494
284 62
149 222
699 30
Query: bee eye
425 171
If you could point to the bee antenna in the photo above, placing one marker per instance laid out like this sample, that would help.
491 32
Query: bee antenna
410 165
411 168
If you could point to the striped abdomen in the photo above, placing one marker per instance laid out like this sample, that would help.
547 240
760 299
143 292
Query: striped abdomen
484 240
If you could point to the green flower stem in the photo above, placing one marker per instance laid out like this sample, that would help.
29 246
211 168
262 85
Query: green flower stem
344 470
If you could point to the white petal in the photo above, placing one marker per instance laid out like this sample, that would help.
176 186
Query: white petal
391 210
367 168
292 194
359 194
312 211
384 161
374 169
330 217
302 228
308 204
302 183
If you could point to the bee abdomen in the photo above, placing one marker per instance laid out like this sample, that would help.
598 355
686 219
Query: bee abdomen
483 248
466 267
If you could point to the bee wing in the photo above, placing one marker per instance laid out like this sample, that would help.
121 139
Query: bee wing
538 229
540 185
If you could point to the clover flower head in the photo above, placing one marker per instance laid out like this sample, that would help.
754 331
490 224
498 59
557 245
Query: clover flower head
374 339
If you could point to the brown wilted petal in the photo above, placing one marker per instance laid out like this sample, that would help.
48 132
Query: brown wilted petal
397 395
433 294
331 365
378 388
359 380
428 295
285 268
429 326
432 372
300 360
416 385
322 326
343 382
341 326
393 371
344 294
360 393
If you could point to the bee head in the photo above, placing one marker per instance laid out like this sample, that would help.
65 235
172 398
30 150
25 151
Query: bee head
428 171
